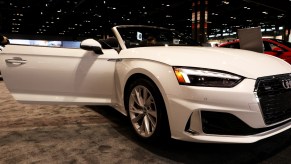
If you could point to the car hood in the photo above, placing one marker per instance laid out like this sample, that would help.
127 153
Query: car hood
242 62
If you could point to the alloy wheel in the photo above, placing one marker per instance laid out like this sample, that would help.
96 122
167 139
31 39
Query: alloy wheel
143 111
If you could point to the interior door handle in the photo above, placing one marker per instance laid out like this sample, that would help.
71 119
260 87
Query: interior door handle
16 60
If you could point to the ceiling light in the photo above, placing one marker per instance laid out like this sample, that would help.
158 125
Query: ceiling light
265 12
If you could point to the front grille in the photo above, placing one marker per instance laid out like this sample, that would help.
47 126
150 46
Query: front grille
274 97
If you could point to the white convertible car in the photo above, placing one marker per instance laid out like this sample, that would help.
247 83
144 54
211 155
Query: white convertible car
164 84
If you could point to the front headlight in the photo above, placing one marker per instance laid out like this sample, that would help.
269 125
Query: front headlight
206 77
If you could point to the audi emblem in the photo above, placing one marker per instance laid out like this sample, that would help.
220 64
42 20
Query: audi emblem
286 83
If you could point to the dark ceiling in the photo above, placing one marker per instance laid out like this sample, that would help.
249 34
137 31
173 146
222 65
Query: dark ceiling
75 19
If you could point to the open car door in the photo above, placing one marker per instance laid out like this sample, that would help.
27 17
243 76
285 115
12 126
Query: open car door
59 75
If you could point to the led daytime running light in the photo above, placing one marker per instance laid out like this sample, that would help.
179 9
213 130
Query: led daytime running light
197 72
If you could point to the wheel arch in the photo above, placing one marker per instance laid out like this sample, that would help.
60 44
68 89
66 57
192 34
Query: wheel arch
150 74
135 76
155 81
161 93
160 74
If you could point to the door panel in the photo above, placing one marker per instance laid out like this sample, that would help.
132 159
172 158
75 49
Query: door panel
59 75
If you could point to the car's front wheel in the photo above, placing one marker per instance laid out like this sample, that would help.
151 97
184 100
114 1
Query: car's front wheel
146 110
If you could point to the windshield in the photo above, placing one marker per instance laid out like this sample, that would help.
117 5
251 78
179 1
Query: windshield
146 36
288 44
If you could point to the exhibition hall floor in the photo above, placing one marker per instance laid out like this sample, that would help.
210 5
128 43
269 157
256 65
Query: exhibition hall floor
90 134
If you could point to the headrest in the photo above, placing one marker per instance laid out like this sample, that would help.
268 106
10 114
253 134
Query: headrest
3 40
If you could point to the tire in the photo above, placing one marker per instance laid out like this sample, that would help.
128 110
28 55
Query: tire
146 110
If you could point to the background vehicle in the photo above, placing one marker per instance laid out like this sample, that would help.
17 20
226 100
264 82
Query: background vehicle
166 88
274 47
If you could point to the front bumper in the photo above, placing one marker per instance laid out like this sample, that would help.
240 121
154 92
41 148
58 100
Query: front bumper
237 138
226 128
187 121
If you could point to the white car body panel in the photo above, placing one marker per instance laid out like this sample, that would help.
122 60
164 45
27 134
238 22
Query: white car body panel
76 76
240 62
60 75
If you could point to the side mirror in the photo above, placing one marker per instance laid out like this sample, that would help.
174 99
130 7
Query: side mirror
91 45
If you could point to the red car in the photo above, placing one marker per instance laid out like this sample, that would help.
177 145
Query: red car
275 47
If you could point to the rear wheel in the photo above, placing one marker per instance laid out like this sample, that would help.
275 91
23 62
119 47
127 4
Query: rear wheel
146 110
